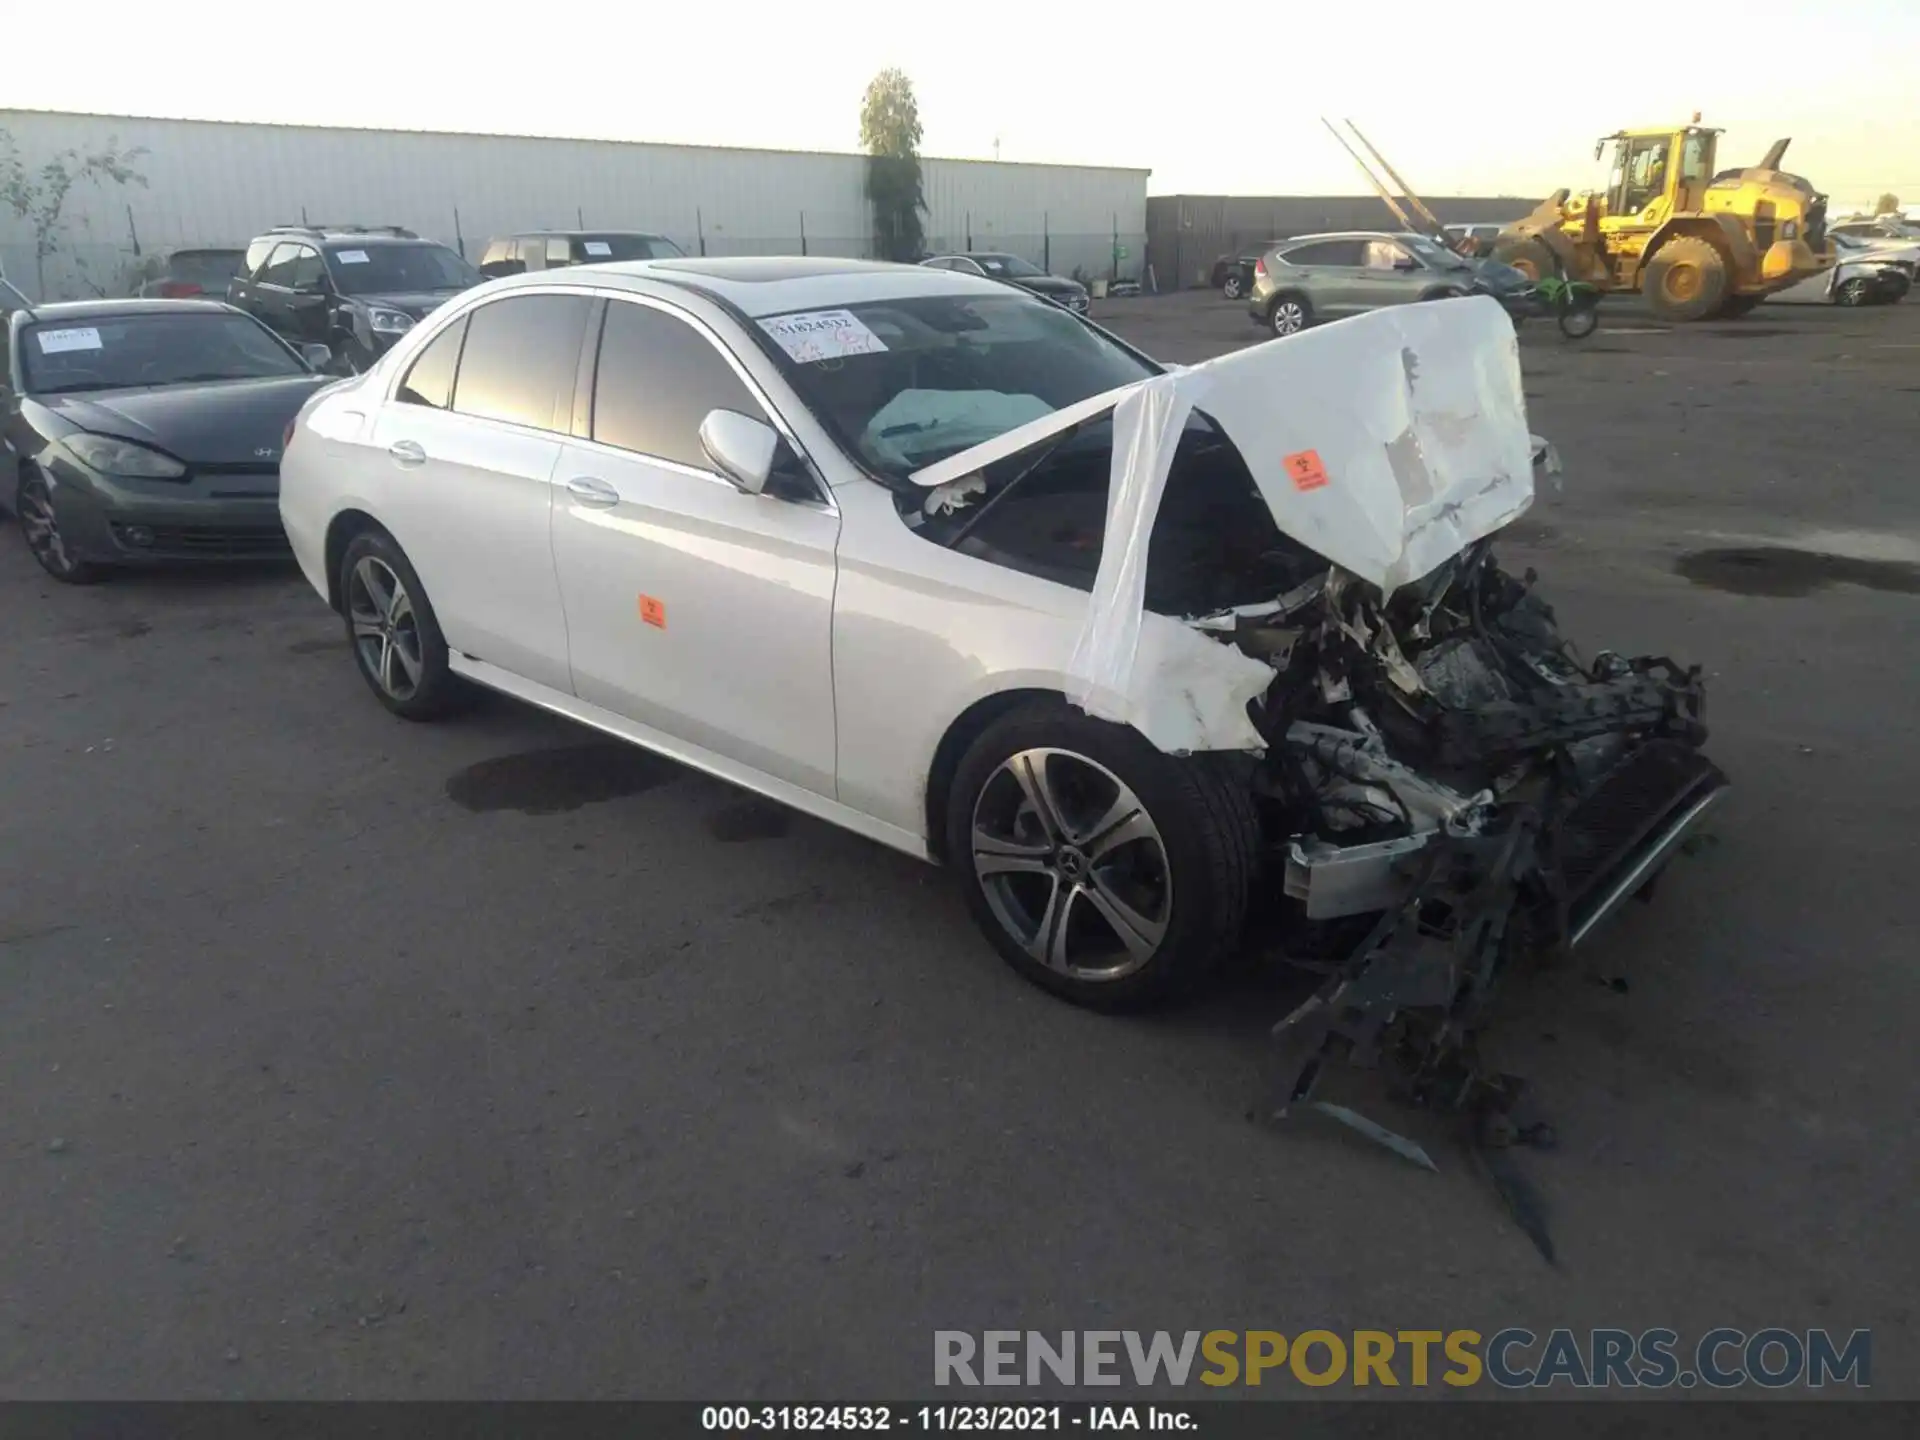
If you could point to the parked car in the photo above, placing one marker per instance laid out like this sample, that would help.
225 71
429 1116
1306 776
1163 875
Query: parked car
552 249
1879 249
353 288
184 274
828 530
1888 227
1325 277
1233 274
1012 270
147 431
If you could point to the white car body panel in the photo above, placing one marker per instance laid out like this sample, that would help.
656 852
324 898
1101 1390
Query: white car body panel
743 665
819 652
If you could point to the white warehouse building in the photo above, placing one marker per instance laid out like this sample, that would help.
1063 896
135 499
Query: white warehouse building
215 183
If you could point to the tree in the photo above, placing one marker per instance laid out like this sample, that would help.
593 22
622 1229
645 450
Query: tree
890 134
1887 204
37 198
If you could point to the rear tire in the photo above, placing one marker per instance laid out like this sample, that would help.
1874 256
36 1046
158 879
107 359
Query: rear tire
1857 291
393 633
1111 924
1686 280
1230 287
1288 314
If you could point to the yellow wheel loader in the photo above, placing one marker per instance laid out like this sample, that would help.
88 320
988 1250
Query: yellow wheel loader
1702 244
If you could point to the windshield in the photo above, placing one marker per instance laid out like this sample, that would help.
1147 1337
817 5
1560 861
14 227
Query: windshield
1009 267
595 249
398 269
118 352
903 383
1434 253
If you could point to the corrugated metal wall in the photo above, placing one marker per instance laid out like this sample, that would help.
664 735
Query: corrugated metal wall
1186 234
212 184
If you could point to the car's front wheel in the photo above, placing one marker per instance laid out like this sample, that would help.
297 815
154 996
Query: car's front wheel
1101 869
1231 287
40 524
395 636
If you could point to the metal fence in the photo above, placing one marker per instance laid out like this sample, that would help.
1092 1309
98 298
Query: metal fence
87 266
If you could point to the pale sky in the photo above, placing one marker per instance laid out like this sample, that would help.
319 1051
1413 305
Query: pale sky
1462 99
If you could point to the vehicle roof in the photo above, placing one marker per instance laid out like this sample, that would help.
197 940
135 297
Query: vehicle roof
356 238
110 309
587 234
775 284
1355 235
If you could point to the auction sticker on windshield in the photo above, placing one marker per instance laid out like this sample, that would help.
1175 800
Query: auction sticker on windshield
822 335
351 257
55 342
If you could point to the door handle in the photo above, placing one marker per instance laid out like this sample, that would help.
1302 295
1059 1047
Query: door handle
407 452
590 491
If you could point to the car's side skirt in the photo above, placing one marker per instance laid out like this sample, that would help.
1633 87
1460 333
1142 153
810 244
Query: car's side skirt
693 756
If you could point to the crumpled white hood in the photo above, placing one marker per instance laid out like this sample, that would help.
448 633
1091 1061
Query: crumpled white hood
1387 443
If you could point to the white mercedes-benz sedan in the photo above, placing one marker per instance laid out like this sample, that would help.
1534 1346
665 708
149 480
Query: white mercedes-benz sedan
930 558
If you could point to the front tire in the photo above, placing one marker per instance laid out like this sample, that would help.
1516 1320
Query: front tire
1231 287
1858 291
1686 280
1529 255
393 632
40 524
1101 869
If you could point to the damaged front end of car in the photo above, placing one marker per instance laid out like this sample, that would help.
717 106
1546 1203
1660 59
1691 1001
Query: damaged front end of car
1447 789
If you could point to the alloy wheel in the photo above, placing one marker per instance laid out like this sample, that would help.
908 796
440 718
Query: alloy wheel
386 632
1072 865
1232 287
42 529
1288 318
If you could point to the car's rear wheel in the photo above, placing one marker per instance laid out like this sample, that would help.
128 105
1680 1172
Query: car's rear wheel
1231 286
1289 314
396 639
1100 868
40 524
1858 291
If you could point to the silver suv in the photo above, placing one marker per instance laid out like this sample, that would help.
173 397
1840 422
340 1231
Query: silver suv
1327 277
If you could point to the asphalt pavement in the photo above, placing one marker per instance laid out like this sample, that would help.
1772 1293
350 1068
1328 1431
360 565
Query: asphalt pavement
341 1057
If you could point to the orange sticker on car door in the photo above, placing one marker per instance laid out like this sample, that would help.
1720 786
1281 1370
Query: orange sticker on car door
1305 469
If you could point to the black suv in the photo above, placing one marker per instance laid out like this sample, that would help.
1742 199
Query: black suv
353 288
555 249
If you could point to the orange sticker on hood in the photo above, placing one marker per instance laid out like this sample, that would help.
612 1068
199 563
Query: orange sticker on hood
653 611
1305 469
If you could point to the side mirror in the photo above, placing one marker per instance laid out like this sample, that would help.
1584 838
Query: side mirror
316 355
741 448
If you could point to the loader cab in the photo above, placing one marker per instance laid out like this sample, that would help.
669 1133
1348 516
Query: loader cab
1649 166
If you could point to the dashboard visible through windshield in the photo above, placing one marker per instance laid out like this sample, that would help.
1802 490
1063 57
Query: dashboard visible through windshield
904 383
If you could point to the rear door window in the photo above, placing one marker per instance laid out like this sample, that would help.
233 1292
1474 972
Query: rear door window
1325 252
430 381
559 250
279 269
520 359
531 253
